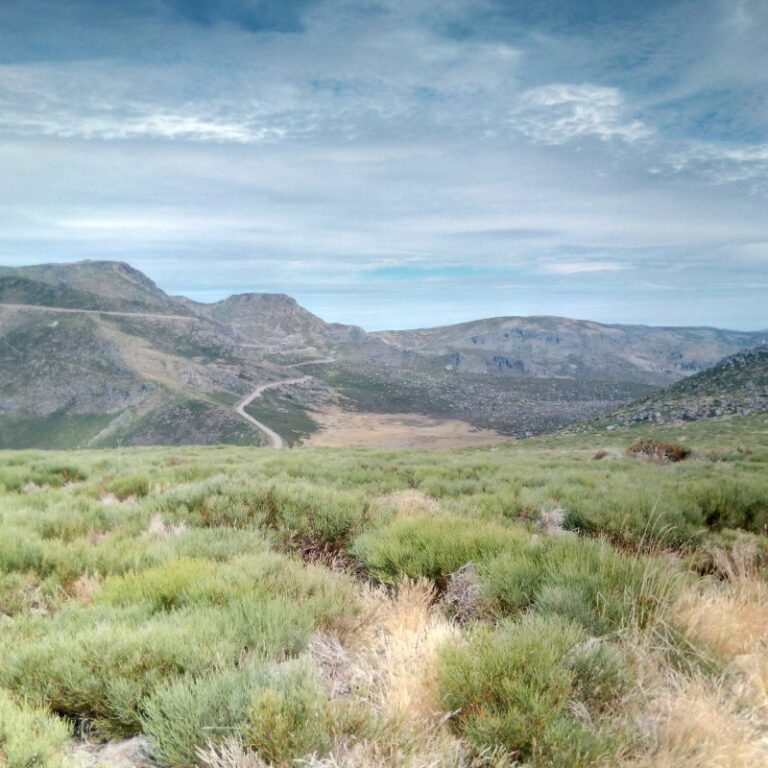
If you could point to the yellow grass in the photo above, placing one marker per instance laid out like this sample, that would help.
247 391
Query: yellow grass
389 666
410 503
698 725
696 722
84 588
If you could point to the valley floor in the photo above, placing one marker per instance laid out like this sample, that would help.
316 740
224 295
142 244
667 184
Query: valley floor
339 428
564 601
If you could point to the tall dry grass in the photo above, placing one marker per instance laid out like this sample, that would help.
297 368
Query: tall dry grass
389 667
698 721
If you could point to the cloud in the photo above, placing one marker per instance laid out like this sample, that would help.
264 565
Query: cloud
526 157
559 113
723 163
582 267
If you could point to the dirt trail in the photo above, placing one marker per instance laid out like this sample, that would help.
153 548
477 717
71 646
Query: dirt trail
156 316
311 362
275 441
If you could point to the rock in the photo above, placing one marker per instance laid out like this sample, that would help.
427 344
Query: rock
133 753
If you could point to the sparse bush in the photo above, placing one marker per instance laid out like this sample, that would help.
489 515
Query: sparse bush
464 597
661 451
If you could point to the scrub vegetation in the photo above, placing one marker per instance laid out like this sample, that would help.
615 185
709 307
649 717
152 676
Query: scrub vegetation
565 601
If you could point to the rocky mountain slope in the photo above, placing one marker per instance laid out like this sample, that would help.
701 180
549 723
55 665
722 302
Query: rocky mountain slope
737 384
578 349
94 353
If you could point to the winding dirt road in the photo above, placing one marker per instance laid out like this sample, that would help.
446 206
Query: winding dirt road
275 441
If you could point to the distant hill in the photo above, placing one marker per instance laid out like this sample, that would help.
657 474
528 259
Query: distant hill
576 349
738 384
94 354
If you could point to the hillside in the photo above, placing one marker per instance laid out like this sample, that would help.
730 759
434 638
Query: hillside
94 353
737 384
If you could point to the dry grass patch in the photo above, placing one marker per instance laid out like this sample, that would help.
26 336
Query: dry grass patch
730 619
389 668
701 725
158 527
230 754
390 660
84 588
410 503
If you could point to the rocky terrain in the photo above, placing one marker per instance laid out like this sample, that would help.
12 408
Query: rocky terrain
95 354
737 384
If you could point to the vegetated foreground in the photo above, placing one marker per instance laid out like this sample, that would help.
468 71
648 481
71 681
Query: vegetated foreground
566 601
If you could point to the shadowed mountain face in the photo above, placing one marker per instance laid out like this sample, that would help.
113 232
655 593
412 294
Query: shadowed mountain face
94 353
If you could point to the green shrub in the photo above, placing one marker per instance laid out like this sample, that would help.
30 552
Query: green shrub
172 584
295 515
431 546
127 486
641 516
20 550
583 579
289 717
30 736
191 711
102 662
729 503
512 687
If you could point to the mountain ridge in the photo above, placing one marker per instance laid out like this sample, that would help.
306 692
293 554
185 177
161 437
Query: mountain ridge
143 366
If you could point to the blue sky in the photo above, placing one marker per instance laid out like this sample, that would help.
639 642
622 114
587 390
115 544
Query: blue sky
399 163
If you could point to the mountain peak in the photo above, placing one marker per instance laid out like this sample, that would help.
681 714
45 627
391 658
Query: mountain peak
94 285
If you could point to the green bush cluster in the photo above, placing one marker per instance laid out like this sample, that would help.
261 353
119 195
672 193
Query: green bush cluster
430 546
585 580
522 685
183 617
294 515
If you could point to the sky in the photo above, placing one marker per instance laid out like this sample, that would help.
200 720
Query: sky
399 163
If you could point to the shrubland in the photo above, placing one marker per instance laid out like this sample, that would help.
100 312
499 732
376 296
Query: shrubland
562 601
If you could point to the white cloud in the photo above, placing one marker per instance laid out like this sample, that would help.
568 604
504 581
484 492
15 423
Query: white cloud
559 113
724 163
579 267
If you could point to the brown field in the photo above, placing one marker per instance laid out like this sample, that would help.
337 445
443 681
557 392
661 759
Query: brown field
340 428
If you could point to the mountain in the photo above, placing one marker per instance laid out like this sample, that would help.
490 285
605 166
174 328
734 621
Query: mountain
95 354
738 384
559 347
92 285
